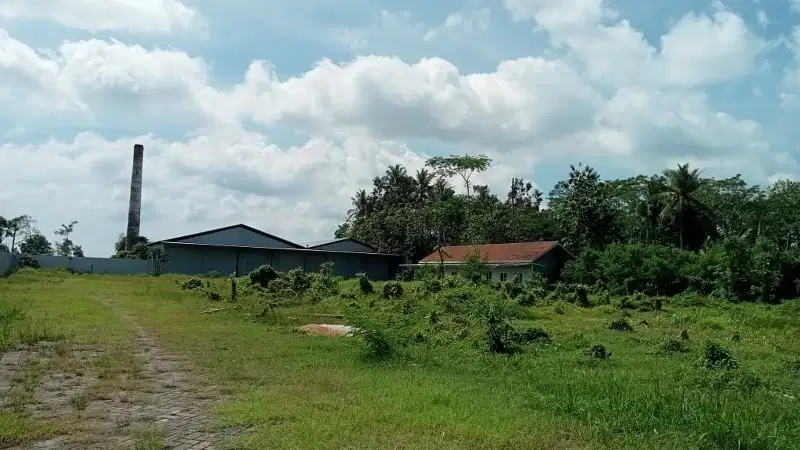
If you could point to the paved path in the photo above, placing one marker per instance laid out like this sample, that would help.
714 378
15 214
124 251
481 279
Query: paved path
164 399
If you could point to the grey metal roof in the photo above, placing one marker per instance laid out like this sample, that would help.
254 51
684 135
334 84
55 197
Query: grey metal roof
320 242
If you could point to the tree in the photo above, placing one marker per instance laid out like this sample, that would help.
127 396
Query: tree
13 227
681 206
139 251
582 207
463 166
66 247
36 244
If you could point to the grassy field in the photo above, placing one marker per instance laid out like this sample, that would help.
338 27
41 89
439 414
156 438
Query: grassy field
433 383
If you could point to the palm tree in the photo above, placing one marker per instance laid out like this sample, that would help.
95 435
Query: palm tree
678 196
361 205
422 184
651 205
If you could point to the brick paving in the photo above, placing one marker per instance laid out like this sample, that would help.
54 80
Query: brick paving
165 399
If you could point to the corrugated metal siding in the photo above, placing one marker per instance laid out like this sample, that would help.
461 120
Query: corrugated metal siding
237 236
199 260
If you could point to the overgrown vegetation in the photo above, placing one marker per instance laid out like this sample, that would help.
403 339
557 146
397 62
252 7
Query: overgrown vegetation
453 354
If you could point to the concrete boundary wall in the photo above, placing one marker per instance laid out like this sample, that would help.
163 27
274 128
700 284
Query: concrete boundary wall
84 265
6 263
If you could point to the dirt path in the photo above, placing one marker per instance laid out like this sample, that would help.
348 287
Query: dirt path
106 398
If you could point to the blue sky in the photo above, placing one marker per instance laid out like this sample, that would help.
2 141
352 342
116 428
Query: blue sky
274 113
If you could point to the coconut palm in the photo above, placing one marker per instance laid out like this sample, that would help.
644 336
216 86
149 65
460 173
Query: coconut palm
679 188
422 185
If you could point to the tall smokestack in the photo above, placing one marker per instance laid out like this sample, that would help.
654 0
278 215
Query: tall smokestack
135 204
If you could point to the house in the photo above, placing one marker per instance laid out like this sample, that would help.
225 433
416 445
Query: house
241 248
505 261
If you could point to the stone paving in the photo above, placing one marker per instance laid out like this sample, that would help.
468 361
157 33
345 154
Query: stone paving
163 399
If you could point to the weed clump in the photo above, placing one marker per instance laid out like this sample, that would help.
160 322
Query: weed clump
582 296
598 351
536 335
29 262
673 346
364 284
263 275
620 324
718 357
191 284
500 335
376 343
392 290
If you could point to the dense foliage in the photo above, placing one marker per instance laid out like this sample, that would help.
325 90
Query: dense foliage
657 234
20 235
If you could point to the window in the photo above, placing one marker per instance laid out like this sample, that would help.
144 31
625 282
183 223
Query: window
488 276
518 277
503 276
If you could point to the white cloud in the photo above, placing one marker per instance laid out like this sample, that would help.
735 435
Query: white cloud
762 17
142 16
697 50
791 78
477 20
97 76
388 98
211 180
609 94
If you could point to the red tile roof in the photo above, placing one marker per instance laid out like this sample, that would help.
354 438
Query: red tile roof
492 253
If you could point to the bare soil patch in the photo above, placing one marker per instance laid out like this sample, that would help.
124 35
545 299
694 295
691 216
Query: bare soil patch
102 397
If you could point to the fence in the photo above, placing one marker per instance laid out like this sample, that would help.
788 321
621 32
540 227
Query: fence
83 265
6 263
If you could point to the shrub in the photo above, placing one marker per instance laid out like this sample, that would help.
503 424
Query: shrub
432 285
233 288
364 284
512 289
192 284
28 261
673 346
327 269
263 275
212 274
500 335
376 343
392 290
298 280
535 335
599 351
621 324
718 357
209 293
582 296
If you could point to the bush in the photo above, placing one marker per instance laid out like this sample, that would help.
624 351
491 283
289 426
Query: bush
621 324
298 280
500 335
535 335
210 294
392 290
364 284
432 285
673 346
376 343
512 289
28 261
718 357
263 276
599 351
192 284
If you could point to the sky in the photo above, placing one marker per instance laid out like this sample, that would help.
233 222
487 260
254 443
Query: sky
273 113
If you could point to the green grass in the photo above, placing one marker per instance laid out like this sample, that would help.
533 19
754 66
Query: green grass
299 391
